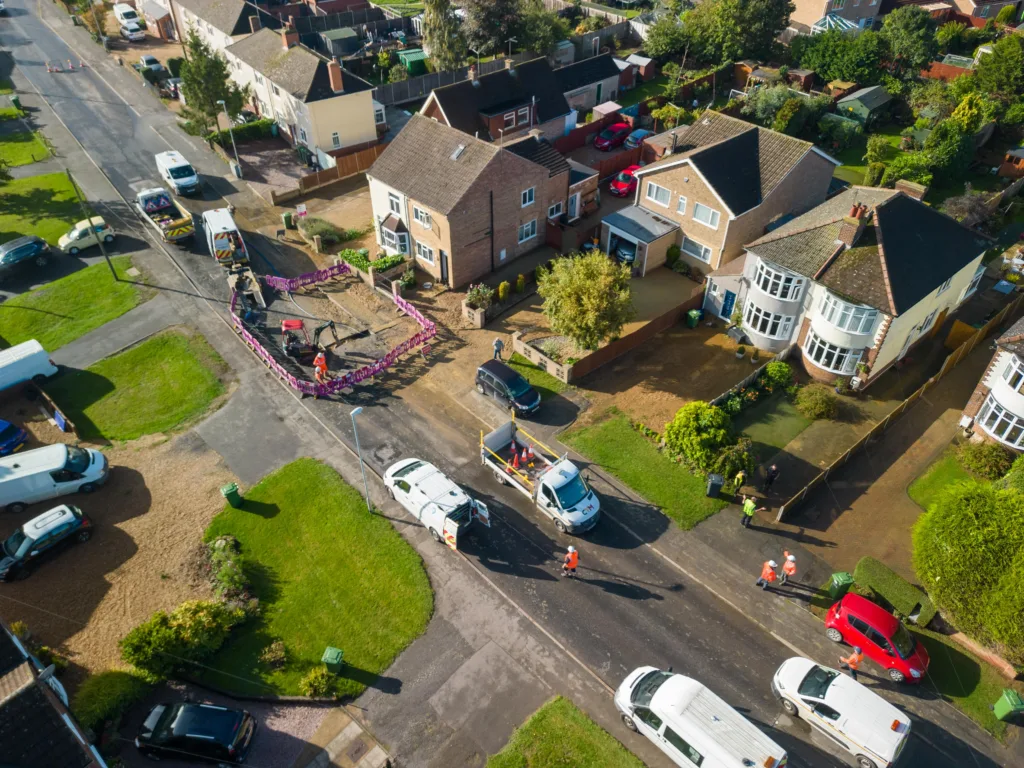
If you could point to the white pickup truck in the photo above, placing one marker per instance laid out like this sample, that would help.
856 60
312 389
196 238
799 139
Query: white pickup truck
554 484
433 499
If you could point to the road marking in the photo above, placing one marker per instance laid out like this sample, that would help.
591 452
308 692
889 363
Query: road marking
164 140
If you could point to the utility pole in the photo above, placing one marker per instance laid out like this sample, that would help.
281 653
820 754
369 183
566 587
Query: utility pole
88 218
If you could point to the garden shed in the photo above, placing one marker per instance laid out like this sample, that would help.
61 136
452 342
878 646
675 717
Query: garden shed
341 42
414 60
866 105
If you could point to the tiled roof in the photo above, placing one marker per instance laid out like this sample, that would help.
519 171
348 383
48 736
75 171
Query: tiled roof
872 97
586 72
540 152
1013 338
229 16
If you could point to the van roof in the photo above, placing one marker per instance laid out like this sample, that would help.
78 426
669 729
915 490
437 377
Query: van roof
95 221
171 157
437 486
713 724
872 613
46 522
30 462
219 220
20 352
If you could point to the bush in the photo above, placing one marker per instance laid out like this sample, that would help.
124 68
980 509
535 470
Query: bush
257 129
699 432
912 166
167 642
504 288
520 283
229 582
734 458
317 682
878 149
732 405
480 296
816 401
361 260
274 655
1014 479
174 66
988 460
312 226
903 596
1006 14
408 279
786 120
672 255
107 695
777 375
873 175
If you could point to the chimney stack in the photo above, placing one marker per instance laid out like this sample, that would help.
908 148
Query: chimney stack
289 37
334 70
675 143
853 225
509 63
254 23
472 72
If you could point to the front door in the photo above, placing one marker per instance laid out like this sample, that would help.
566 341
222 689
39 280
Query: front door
727 304
574 205
444 267
599 86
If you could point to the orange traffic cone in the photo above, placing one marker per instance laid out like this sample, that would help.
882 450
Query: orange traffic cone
515 461
71 67
529 457
524 459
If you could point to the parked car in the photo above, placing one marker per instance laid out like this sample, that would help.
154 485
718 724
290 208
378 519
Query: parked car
48 472
883 638
244 117
150 62
125 14
12 438
624 183
497 380
611 137
133 32
40 538
86 234
24 250
848 713
431 497
23 362
636 138
192 732
624 251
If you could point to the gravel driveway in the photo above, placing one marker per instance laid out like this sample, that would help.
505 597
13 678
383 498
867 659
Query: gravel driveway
281 733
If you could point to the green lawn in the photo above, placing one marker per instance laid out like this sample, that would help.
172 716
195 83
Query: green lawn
771 424
6 87
945 471
326 572
643 92
43 205
852 158
156 386
59 312
558 735
546 384
23 148
631 457
9 113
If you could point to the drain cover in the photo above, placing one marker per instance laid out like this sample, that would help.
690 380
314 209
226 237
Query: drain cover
357 750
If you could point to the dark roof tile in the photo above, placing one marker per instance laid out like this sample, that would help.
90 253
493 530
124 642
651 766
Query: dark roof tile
540 152
586 72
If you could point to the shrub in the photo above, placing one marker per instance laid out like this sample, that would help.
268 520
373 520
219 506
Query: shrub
20 630
777 375
734 458
816 401
257 129
408 279
317 682
1014 479
741 350
48 656
274 655
988 460
905 597
1006 14
732 405
167 642
361 260
107 695
672 255
520 283
755 355
311 226
878 149
229 580
479 296
552 349
504 288
873 175
174 66
699 432
786 120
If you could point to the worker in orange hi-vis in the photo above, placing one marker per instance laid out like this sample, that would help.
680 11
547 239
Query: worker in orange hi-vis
320 362
570 561
788 568
767 576
852 662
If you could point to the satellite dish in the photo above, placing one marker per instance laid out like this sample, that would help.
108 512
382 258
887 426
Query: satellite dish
47 673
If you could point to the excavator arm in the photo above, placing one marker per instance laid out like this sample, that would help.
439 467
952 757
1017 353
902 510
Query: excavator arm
320 329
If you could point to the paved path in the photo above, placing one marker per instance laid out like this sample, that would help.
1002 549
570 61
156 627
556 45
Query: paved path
130 328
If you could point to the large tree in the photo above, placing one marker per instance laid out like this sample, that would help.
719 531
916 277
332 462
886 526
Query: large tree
205 80
1001 73
540 28
909 34
442 34
665 38
490 23
586 298
731 30
836 55
950 149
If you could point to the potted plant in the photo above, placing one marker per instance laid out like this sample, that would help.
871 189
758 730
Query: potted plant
842 385
737 318
740 352
755 356
862 369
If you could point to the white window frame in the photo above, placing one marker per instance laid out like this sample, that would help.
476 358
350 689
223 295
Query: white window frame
421 217
852 318
527 197
259 78
555 210
510 120
1000 423
825 355
681 206
1013 374
973 285
424 253
781 285
944 287
396 241
394 203
713 216
928 322
378 116
524 115
276 91
763 322
336 140
302 135
651 191
529 229
704 251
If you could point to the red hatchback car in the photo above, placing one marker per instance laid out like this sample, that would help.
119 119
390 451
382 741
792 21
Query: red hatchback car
611 137
624 183
884 640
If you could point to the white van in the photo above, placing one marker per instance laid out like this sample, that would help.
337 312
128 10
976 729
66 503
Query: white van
849 714
125 13
46 473
23 362
432 498
692 725
176 171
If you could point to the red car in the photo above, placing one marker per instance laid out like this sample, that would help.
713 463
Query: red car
611 137
624 183
880 635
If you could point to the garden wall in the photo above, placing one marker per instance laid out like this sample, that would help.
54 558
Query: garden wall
783 355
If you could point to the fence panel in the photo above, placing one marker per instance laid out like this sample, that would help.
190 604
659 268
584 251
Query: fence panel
420 87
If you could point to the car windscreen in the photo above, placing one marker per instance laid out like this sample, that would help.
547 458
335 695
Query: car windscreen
518 386
608 133
572 493
129 15
816 682
904 642
14 541
78 460
181 171
645 689
624 177
408 468
7 433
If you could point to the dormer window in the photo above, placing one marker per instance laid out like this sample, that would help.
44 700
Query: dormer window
510 120
524 115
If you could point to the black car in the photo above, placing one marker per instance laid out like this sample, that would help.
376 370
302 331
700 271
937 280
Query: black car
23 250
497 380
40 538
202 732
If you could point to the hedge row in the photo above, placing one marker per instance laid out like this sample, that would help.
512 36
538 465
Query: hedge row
894 589
107 696
361 260
258 129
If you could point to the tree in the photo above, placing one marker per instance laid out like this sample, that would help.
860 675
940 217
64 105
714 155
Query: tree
934 95
699 432
383 60
5 171
665 38
909 33
878 149
911 166
950 149
541 28
398 73
731 30
442 34
1006 14
950 36
670 116
490 23
970 208
205 80
95 20
1000 74
586 297
764 103
970 113
591 24
836 55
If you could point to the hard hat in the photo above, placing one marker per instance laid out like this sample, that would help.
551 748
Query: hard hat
791 558
773 564
856 649
572 548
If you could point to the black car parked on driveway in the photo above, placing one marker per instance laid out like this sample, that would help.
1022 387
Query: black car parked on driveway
41 538
497 380
203 732
24 250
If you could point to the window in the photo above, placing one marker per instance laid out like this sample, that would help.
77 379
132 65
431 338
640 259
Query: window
825 711
302 135
1013 374
681 206
829 356
259 79
424 253
778 284
878 639
942 288
528 230
421 216
527 197
510 120
983 11
657 194
837 5
336 140
859 624
768 324
378 116
689 752
970 289
847 317
695 249
1003 425
555 210
643 714
276 92
524 115
394 203
928 322
705 215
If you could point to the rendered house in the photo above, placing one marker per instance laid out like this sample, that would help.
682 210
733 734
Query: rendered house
997 405
984 9
219 22
717 190
462 207
859 279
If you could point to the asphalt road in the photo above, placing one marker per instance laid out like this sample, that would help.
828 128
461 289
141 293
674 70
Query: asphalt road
628 608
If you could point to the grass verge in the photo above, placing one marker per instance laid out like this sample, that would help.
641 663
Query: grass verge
650 89
326 573
9 113
23 148
156 386
771 425
546 384
59 312
6 87
942 473
558 735
43 205
615 445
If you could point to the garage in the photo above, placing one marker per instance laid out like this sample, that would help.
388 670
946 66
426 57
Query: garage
637 237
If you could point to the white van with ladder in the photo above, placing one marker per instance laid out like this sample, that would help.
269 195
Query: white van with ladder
433 499
223 238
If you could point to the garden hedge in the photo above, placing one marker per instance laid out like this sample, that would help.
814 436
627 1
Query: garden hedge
894 589
258 129
361 261
107 695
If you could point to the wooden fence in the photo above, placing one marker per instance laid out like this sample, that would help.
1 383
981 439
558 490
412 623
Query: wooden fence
420 87
948 364
614 163
346 167
578 136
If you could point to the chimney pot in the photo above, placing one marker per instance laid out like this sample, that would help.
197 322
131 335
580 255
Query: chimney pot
855 211
853 225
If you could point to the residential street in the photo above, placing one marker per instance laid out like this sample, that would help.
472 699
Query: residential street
507 633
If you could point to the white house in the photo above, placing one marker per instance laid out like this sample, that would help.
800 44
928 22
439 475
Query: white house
218 22
997 405
855 282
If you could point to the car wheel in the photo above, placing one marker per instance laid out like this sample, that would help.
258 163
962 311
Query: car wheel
391 491
865 762
896 676
628 722
790 708
436 535
86 488
108 238
560 526
16 508
39 379
84 535
21 574
73 251
41 261
500 477
480 388
834 635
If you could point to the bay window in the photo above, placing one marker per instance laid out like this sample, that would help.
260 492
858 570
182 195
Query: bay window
1005 426
829 356
767 323
1013 374
778 284
847 317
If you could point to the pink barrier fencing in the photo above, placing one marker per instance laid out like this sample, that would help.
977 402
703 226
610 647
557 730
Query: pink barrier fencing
346 380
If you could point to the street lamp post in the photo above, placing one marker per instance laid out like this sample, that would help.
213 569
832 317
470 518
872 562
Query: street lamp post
510 41
359 453
231 133
89 217
477 52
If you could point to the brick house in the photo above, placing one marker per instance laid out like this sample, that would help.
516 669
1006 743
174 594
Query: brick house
859 279
463 207
717 190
